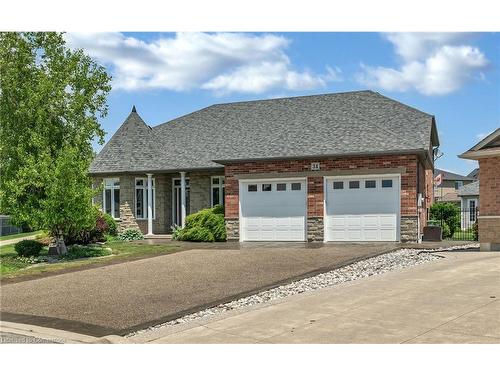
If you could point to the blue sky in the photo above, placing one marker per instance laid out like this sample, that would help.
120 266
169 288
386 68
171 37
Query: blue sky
454 76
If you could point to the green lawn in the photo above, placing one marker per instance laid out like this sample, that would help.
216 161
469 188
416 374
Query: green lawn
464 235
11 267
19 235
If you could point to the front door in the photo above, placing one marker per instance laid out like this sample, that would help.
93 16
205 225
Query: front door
176 200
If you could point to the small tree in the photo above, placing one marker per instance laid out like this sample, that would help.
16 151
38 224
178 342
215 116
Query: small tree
50 101
69 179
448 213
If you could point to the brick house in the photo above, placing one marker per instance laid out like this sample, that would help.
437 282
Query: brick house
354 166
487 153
450 185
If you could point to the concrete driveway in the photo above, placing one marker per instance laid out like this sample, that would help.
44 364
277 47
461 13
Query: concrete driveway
121 298
453 300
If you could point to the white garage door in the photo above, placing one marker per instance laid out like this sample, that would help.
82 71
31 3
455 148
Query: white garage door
273 210
362 209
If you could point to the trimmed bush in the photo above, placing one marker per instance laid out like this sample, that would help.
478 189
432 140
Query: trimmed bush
130 235
207 225
28 248
80 251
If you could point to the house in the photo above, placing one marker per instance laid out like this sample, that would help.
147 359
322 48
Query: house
450 184
334 167
474 174
469 204
487 153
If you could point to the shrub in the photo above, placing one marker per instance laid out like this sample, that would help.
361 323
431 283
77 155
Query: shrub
475 232
112 229
130 235
80 251
446 233
206 225
28 248
447 212
44 239
96 232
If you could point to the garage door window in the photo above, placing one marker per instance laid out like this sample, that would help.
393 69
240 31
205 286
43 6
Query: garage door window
252 187
281 187
296 185
386 183
353 184
370 184
338 185
266 187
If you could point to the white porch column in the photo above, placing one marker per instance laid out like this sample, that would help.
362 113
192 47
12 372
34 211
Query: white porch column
150 204
183 199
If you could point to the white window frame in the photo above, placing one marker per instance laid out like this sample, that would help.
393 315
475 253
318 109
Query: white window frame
144 197
221 185
113 188
458 184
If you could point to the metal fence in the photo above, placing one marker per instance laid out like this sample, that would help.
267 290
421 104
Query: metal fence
464 228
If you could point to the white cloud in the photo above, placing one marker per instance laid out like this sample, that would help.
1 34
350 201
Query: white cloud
221 62
431 63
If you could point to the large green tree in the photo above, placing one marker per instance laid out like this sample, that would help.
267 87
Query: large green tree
51 98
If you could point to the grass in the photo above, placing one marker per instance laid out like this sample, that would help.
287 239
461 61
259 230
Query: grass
464 235
11 267
19 235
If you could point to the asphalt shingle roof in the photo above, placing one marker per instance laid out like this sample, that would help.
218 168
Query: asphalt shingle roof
360 122
469 189
450 176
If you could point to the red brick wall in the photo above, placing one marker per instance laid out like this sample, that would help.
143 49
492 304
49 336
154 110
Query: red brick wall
489 186
315 184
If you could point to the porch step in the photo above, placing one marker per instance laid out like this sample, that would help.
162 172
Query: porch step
158 236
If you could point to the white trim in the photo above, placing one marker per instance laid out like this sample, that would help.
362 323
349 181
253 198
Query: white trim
354 176
143 197
183 199
260 181
221 185
489 217
173 208
150 203
113 188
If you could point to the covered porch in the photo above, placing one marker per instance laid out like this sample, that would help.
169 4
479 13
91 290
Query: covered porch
154 203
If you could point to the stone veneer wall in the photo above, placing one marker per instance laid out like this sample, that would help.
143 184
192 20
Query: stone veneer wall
409 225
162 223
315 229
233 229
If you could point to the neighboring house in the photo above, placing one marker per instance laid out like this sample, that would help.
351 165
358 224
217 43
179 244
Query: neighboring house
469 204
474 174
487 153
333 167
451 183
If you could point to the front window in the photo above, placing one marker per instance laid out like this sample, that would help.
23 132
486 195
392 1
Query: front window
218 190
141 198
458 184
111 197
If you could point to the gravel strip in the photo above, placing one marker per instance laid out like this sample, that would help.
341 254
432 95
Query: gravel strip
396 260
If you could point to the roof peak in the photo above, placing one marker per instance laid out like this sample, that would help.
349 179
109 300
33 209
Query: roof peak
133 109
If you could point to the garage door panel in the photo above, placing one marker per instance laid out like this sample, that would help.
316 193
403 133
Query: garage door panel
273 215
363 214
